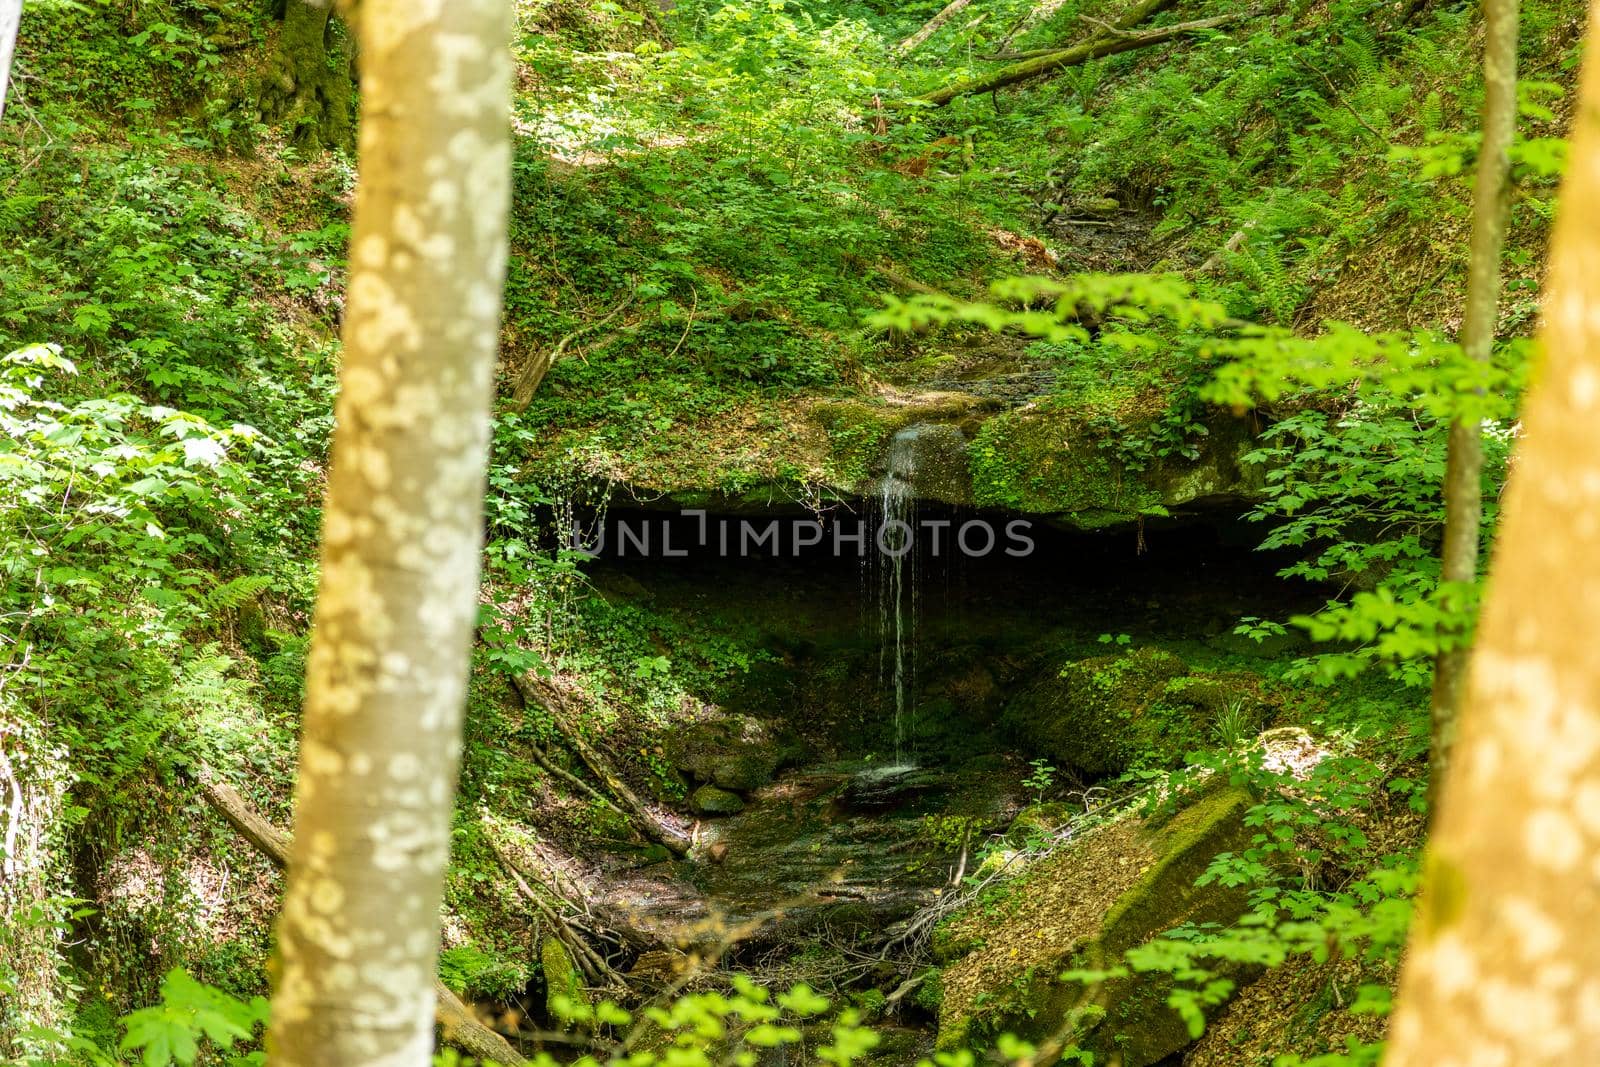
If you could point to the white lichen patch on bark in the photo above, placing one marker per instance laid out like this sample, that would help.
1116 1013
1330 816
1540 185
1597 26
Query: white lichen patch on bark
386 682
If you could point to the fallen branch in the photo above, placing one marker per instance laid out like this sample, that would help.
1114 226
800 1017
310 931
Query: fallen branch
931 27
1141 12
895 278
1029 19
1233 245
539 364
1337 95
556 771
594 966
457 1024
901 991
1053 61
560 704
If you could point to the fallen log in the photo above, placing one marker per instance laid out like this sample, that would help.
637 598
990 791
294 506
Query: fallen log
1051 62
894 277
931 27
1140 12
457 1024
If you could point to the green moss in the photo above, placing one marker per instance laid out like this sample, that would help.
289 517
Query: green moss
930 993
1045 461
858 433
1148 882
562 980
1105 714
1184 847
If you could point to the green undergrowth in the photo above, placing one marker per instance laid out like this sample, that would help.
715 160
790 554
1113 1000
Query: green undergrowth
706 204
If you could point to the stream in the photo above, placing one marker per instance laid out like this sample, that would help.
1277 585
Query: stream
844 847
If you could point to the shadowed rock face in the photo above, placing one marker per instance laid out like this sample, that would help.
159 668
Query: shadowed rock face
733 752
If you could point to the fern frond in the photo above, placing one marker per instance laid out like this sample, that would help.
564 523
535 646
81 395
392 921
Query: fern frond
230 595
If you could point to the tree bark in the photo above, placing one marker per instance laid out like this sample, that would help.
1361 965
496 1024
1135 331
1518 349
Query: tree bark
456 1021
931 27
10 20
1504 962
1463 480
1097 47
358 935
309 87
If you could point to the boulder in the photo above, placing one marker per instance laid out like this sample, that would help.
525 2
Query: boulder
735 752
710 800
880 788
1084 906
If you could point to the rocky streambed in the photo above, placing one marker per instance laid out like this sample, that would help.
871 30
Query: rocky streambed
835 850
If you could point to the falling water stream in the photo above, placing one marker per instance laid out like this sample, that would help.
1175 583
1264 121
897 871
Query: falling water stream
897 585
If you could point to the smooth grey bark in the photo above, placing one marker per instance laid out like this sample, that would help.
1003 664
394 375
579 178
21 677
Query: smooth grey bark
1504 962
456 1022
1463 480
10 20
359 931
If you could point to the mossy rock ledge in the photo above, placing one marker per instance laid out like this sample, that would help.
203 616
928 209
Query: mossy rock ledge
1105 714
1083 907
1044 458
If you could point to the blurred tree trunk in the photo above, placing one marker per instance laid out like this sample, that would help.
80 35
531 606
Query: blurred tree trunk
1463 480
456 1022
310 85
1504 961
359 931
10 19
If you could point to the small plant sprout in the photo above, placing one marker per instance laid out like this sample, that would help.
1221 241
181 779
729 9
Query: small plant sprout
1233 727
1041 779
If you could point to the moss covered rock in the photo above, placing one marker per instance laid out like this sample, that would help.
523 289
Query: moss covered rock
1083 907
734 752
710 800
1105 714
1096 472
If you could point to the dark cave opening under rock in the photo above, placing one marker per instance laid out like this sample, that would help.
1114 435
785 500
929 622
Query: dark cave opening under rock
980 607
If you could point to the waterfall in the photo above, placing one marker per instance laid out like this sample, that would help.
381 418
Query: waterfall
897 580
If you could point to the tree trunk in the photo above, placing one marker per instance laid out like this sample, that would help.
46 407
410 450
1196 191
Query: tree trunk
1097 47
10 19
310 86
456 1022
1463 480
359 931
1504 962
931 27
